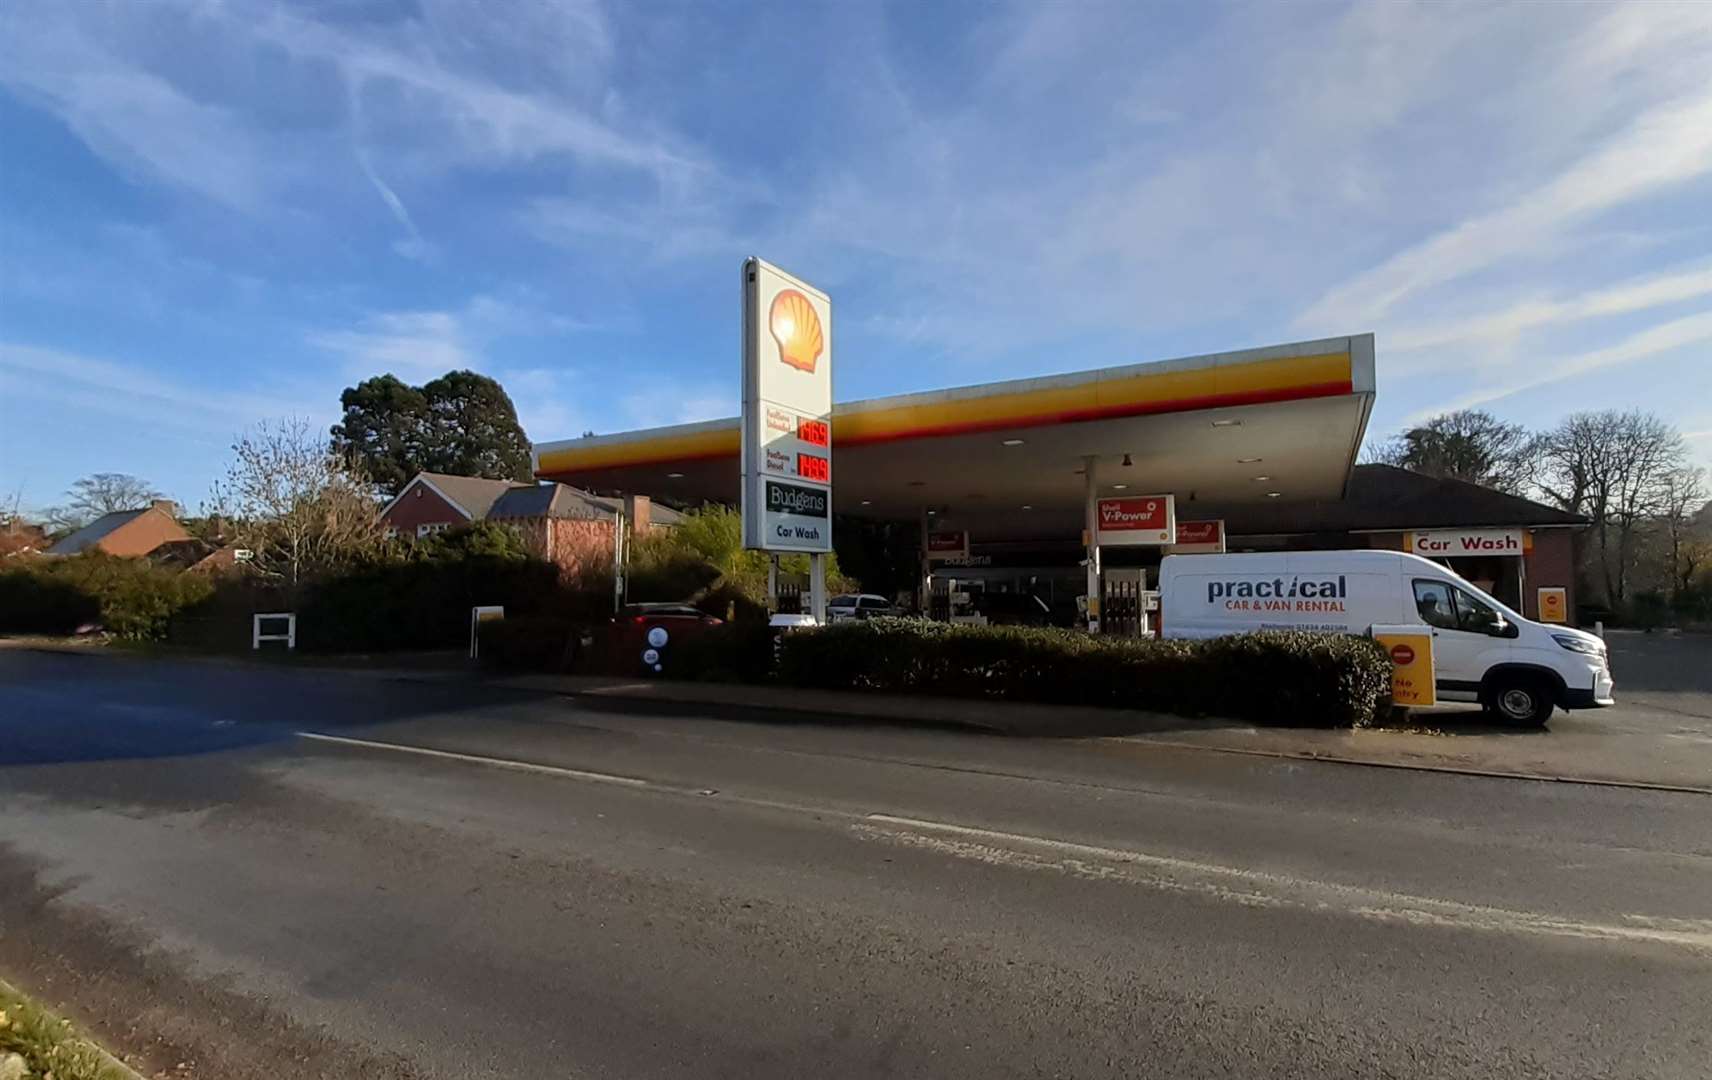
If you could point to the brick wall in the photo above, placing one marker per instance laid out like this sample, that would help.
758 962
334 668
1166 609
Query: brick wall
421 506
1551 564
576 547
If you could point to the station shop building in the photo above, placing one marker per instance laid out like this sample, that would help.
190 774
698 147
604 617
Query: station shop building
1258 448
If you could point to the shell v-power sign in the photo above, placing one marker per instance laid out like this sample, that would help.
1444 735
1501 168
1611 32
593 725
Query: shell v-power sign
787 411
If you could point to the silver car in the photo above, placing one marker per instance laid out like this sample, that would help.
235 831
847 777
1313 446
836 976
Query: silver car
858 606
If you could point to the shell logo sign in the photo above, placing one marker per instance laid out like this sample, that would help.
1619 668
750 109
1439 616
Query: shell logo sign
787 411
796 328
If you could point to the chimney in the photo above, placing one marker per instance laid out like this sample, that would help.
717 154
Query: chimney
638 509
165 506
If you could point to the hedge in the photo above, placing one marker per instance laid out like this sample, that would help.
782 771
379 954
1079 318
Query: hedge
424 604
1271 677
735 652
35 603
130 598
531 643
741 651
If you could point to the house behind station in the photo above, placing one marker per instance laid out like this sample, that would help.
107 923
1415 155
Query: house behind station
126 533
566 526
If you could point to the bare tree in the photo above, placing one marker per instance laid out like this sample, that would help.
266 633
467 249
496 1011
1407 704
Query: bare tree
98 494
1468 445
17 536
1687 520
1613 467
302 508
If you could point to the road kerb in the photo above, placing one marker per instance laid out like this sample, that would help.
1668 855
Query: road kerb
108 1062
1458 770
677 697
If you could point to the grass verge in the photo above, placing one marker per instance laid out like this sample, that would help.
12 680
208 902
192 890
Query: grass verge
49 1045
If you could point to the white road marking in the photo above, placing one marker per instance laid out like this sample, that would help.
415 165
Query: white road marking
478 759
1258 888
1233 884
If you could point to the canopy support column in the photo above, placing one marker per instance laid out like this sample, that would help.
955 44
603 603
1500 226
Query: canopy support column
1091 538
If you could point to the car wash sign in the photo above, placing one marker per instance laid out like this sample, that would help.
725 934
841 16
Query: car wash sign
1456 543
787 412
1144 519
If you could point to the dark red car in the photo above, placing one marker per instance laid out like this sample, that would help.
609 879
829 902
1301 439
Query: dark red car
642 635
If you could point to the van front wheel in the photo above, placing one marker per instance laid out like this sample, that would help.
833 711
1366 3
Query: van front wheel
1518 699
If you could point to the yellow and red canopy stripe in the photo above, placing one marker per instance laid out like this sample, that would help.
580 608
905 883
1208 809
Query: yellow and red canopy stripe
1140 393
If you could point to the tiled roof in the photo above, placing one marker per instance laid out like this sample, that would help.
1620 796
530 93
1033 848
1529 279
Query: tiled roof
1383 498
94 532
473 494
503 499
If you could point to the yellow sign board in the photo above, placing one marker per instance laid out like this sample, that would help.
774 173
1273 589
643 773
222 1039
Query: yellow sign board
1411 651
1554 605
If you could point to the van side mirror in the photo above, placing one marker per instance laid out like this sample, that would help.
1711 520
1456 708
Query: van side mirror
1505 629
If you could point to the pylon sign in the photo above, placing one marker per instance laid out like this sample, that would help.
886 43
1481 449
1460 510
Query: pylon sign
787 411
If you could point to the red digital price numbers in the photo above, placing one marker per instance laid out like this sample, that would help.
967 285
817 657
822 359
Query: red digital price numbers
815 432
814 468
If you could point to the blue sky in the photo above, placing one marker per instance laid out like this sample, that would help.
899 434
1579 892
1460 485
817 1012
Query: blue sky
217 212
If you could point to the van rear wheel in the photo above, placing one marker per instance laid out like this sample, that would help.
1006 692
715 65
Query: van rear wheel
1520 699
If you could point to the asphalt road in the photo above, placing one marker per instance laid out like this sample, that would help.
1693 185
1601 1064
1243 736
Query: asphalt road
625 893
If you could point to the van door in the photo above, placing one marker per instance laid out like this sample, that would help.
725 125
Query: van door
1465 641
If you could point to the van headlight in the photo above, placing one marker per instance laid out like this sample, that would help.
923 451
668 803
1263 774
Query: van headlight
1580 645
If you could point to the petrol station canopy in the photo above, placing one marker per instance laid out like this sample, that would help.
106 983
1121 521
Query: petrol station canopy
1276 424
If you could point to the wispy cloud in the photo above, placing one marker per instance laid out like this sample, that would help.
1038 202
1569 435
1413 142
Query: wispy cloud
412 246
137 119
414 342
131 390
1621 299
1665 146
997 190
1688 331
420 343
451 87
688 404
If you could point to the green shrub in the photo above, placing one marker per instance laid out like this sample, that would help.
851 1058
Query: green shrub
1272 677
530 643
478 539
38 603
705 548
130 598
740 651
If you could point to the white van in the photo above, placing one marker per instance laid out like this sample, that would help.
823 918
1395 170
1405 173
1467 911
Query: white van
1482 650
